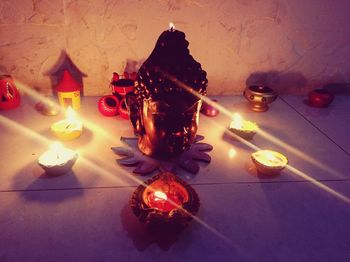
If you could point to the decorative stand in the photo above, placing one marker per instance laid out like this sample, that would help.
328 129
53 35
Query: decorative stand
144 165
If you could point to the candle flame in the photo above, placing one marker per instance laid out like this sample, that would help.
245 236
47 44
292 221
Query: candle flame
70 114
56 155
56 146
270 158
160 195
171 26
237 121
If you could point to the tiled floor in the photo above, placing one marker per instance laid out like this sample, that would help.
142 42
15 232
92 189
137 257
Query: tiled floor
84 215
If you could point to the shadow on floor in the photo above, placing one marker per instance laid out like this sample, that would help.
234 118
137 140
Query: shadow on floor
141 236
46 188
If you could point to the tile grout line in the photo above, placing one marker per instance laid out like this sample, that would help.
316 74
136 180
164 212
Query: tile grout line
195 184
347 153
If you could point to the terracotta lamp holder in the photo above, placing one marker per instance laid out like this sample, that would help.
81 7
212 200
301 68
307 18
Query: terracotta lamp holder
181 205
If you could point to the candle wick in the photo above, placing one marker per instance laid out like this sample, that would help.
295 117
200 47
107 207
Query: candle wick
68 126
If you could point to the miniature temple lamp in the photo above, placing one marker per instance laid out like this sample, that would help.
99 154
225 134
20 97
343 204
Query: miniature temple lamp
243 128
269 162
68 91
69 128
57 160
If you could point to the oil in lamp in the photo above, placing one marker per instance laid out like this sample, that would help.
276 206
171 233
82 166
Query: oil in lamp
69 128
57 160
269 162
165 201
243 128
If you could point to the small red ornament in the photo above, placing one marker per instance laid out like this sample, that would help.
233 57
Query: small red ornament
115 77
320 98
133 76
123 110
9 95
108 105
209 110
126 75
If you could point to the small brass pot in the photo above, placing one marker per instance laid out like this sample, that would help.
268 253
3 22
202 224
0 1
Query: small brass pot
259 97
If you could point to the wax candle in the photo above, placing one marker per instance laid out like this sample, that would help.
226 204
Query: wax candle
269 162
69 128
57 160
243 128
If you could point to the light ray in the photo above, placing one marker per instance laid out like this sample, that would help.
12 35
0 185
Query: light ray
105 173
261 132
292 169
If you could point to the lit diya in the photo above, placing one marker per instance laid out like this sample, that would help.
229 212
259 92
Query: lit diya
165 200
57 160
69 128
269 162
243 128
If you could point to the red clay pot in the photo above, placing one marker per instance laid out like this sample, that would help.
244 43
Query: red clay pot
320 98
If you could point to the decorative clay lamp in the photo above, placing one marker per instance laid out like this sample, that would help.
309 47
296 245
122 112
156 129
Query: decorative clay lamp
164 114
165 201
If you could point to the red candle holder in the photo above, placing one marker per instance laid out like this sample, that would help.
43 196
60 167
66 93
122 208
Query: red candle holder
108 105
209 110
9 95
165 200
320 98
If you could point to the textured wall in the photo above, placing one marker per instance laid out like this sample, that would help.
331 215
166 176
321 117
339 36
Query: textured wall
292 45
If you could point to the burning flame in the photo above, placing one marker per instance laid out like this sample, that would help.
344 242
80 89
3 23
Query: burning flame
270 158
237 121
70 114
160 195
171 26
56 155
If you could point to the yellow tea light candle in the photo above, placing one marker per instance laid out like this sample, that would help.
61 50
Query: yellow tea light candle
69 128
269 162
243 128
57 160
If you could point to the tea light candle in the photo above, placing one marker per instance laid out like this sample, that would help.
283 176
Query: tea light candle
269 162
69 128
57 160
243 128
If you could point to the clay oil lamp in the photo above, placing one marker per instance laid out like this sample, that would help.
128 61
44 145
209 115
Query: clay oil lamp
320 98
243 128
259 97
269 162
69 128
165 200
57 160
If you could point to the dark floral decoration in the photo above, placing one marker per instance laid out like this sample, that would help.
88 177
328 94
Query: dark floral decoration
145 164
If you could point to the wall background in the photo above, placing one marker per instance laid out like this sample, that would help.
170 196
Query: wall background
292 45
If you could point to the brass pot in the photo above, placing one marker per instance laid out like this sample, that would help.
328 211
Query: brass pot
259 97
